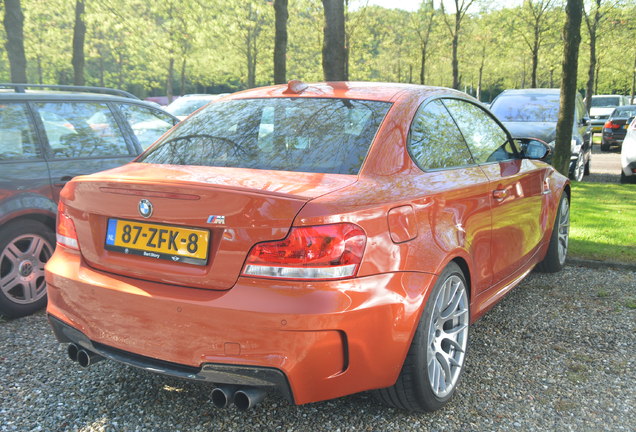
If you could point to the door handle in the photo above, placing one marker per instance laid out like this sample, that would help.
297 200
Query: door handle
63 180
500 194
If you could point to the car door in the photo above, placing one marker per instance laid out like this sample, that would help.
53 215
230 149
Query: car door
519 212
455 203
81 138
24 175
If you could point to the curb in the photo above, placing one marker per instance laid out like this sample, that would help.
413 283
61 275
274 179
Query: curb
596 264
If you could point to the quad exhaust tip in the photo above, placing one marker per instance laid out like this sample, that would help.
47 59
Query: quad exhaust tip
242 398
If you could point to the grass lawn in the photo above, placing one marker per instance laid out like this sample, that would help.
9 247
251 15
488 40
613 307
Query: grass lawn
603 222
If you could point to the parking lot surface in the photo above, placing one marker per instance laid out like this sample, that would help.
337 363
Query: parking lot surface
556 354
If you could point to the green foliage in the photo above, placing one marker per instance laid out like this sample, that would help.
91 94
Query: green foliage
602 217
228 44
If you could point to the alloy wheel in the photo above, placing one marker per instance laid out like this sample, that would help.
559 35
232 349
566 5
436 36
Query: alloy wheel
447 336
22 268
563 229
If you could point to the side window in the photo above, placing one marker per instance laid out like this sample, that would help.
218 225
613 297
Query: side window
147 124
434 140
487 141
17 137
81 129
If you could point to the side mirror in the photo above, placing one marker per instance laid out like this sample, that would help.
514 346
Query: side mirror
533 148
586 121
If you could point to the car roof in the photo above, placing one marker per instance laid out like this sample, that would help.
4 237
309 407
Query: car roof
549 91
386 92
38 95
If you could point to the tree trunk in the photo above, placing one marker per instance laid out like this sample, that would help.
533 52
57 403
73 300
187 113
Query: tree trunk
631 96
591 72
14 28
423 66
79 34
183 75
280 42
333 48
169 90
535 60
454 62
572 40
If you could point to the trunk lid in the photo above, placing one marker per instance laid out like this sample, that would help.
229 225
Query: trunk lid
237 207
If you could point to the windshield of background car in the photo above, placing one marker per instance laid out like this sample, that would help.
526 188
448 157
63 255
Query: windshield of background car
605 101
286 134
527 108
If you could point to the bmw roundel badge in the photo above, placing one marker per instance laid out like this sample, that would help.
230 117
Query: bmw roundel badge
145 208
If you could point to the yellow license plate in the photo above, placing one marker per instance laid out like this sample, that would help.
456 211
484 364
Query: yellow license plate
168 242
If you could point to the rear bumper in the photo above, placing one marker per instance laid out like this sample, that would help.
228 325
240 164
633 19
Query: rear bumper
209 372
326 339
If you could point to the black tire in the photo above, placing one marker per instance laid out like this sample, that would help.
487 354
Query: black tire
554 259
24 248
413 390
605 147
627 179
588 166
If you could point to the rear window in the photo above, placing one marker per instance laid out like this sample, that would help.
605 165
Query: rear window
625 112
527 108
605 101
286 134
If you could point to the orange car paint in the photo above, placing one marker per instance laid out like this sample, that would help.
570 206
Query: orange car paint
330 338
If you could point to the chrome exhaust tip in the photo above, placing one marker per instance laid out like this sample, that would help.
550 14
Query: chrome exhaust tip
247 398
87 358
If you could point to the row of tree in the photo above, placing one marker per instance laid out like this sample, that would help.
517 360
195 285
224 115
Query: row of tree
220 45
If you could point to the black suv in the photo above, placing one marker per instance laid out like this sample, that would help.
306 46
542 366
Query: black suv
48 135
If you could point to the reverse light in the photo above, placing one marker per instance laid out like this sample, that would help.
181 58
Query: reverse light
65 234
310 253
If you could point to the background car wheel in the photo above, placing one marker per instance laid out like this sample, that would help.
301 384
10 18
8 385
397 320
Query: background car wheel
435 360
554 259
25 246
577 170
605 147
627 179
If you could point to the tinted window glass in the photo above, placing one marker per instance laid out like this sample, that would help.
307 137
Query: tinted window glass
625 112
435 141
486 139
17 140
605 101
147 124
527 108
296 134
81 129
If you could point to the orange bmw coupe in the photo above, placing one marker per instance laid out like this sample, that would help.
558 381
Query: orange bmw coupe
312 239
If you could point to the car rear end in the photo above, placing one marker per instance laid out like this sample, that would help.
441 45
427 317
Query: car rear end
628 155
615 128
186 264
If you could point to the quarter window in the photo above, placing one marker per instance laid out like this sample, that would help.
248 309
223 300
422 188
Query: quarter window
434 141
487 141
17 140
80 130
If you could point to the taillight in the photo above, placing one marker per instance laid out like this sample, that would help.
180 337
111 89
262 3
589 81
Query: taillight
313 252
611 125
65 235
